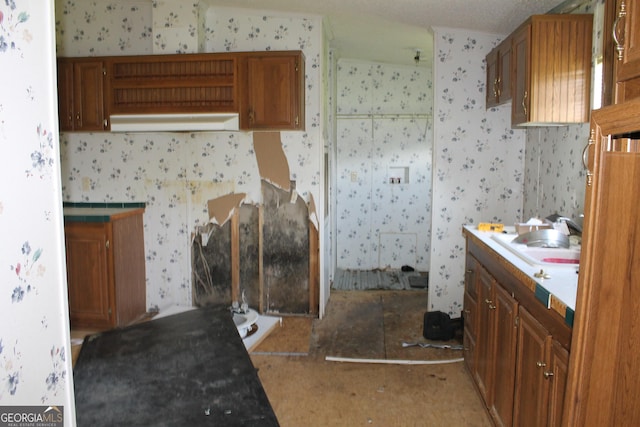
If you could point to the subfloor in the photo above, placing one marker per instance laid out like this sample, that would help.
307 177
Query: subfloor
365 326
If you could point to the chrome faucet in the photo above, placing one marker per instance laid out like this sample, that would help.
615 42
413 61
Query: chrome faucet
574 228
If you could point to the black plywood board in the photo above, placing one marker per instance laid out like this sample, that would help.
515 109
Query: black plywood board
189 369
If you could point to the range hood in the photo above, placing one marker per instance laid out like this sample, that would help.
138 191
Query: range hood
174 122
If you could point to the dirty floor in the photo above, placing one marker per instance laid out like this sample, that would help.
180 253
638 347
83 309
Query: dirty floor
306 389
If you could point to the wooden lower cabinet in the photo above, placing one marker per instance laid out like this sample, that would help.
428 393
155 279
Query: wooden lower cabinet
519 369
495 349
531 395
105 272
505 318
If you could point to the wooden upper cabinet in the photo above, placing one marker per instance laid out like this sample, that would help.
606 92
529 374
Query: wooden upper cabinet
266 89
626 34
551 63
181 83
273 91
499 74
81 103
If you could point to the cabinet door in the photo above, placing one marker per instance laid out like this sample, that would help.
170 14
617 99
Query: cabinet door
65 95
627 53
557 378
275 92
531 396
485 341
88 96
88 274
504 78
604 342
521 75
506 331
470 311
492 79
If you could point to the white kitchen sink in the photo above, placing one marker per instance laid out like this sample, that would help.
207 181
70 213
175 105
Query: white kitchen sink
537 256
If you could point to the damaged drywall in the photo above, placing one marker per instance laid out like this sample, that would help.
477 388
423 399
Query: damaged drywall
221 208
272 162
260 253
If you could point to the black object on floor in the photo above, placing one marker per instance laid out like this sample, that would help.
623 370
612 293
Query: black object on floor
189 369
440 326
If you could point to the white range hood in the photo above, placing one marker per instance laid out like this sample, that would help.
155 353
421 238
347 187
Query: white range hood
174 122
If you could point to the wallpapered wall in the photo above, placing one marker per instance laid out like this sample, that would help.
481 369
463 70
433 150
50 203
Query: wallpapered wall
478 159
384 131
35 358
176 173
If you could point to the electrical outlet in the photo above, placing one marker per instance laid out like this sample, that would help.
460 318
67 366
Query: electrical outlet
354 176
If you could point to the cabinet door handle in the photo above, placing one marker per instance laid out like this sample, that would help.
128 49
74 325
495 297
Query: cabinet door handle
617 37
585 160
540 364
548 375
107 244
524 102
499 86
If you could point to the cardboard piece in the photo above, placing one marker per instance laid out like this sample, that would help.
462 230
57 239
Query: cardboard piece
272 162
221 209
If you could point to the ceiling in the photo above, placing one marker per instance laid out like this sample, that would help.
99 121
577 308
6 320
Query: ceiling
394 31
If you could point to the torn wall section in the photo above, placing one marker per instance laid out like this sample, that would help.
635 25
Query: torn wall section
267 254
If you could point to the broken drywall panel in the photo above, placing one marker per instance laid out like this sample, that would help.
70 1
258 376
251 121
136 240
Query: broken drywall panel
221 209
285 253
272 162
211 267
313 214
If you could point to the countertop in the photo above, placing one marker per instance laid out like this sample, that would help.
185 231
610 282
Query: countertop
558 292
100 212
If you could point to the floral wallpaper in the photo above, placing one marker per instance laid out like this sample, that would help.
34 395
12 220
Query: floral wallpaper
384 134
478 160
175 174
35 365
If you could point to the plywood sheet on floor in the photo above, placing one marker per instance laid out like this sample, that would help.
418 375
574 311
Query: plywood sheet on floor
351 327
374 325
292 337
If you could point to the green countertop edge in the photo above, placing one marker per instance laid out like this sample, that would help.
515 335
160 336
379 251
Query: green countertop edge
109 205
98 205
543 296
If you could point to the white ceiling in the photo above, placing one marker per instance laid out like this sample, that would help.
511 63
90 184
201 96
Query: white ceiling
393 30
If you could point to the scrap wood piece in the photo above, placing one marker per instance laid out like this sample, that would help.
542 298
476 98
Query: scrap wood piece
221 208
272 162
